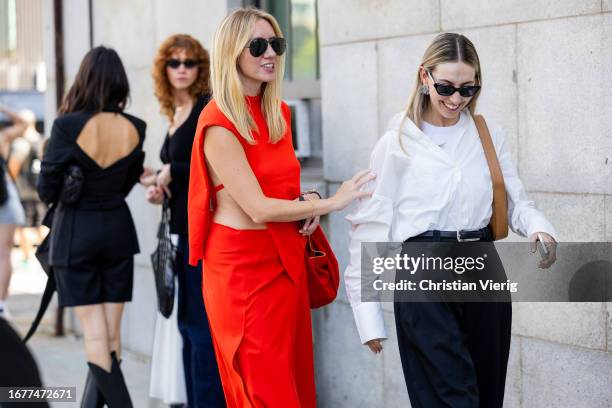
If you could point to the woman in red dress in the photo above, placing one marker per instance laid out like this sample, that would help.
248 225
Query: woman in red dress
244 220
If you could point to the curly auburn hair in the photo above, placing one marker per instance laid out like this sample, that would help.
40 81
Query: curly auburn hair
163 88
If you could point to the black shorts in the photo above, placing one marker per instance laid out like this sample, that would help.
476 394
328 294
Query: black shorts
95 282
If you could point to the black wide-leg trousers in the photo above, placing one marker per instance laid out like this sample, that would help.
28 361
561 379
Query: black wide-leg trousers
454 354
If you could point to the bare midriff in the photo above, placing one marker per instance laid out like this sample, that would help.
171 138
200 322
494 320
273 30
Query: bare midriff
227 210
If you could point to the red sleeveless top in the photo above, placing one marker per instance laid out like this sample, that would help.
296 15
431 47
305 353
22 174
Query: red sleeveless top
276 168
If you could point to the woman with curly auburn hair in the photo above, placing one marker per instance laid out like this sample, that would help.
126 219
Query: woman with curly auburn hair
164 87
181 75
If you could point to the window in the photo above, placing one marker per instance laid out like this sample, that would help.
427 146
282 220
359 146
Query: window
8 28
301 88
298 20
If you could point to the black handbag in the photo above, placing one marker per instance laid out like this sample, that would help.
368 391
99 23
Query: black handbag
72 185
164 262
69 194
42 254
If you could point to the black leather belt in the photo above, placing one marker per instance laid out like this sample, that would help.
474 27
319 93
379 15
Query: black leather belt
483 234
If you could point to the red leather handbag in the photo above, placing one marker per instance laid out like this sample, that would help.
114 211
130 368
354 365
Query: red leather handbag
322 269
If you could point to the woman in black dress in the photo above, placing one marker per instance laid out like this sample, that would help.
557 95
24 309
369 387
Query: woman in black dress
93 239
181 76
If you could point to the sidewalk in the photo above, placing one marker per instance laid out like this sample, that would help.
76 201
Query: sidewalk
61 360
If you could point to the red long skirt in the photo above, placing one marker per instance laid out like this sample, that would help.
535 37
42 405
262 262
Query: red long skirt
259 320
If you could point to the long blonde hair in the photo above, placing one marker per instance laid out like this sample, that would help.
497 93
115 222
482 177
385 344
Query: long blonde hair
229 41
446 47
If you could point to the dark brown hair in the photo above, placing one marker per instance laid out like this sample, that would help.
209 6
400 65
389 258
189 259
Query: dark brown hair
163 88
100 84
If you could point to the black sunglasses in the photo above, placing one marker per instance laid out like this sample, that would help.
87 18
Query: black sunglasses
258 46
447 90
188 63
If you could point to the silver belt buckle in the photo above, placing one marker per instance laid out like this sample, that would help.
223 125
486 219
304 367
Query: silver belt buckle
459 239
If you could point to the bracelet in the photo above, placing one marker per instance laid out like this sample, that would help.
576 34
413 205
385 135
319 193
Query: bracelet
301 198
312 192
313 208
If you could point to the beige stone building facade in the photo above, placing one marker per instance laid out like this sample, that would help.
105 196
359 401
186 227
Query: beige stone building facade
547 69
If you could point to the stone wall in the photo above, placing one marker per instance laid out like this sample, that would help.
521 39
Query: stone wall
547 80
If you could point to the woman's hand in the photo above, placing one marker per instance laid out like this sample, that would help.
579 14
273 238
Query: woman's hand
155 195
148 177
351 189
375 345
551 246
164 179
310 224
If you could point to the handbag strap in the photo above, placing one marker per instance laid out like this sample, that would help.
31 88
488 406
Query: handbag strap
315 252
500 199
166 210
164 225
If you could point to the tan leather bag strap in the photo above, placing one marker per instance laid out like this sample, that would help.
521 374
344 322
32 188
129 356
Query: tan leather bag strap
499 219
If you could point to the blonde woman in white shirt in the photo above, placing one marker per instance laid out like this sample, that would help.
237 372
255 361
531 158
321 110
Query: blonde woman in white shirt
432 181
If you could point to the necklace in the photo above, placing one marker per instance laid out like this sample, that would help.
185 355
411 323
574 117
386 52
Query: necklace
178 113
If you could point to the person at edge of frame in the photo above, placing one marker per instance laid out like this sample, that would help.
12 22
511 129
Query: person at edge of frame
12 215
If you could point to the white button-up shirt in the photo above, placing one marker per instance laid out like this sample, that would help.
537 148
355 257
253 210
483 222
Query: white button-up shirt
423 187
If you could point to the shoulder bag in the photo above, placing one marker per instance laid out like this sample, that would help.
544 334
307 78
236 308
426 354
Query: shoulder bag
322 270
499 217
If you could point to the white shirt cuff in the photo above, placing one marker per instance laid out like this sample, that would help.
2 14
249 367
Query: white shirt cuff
370 321
542 225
